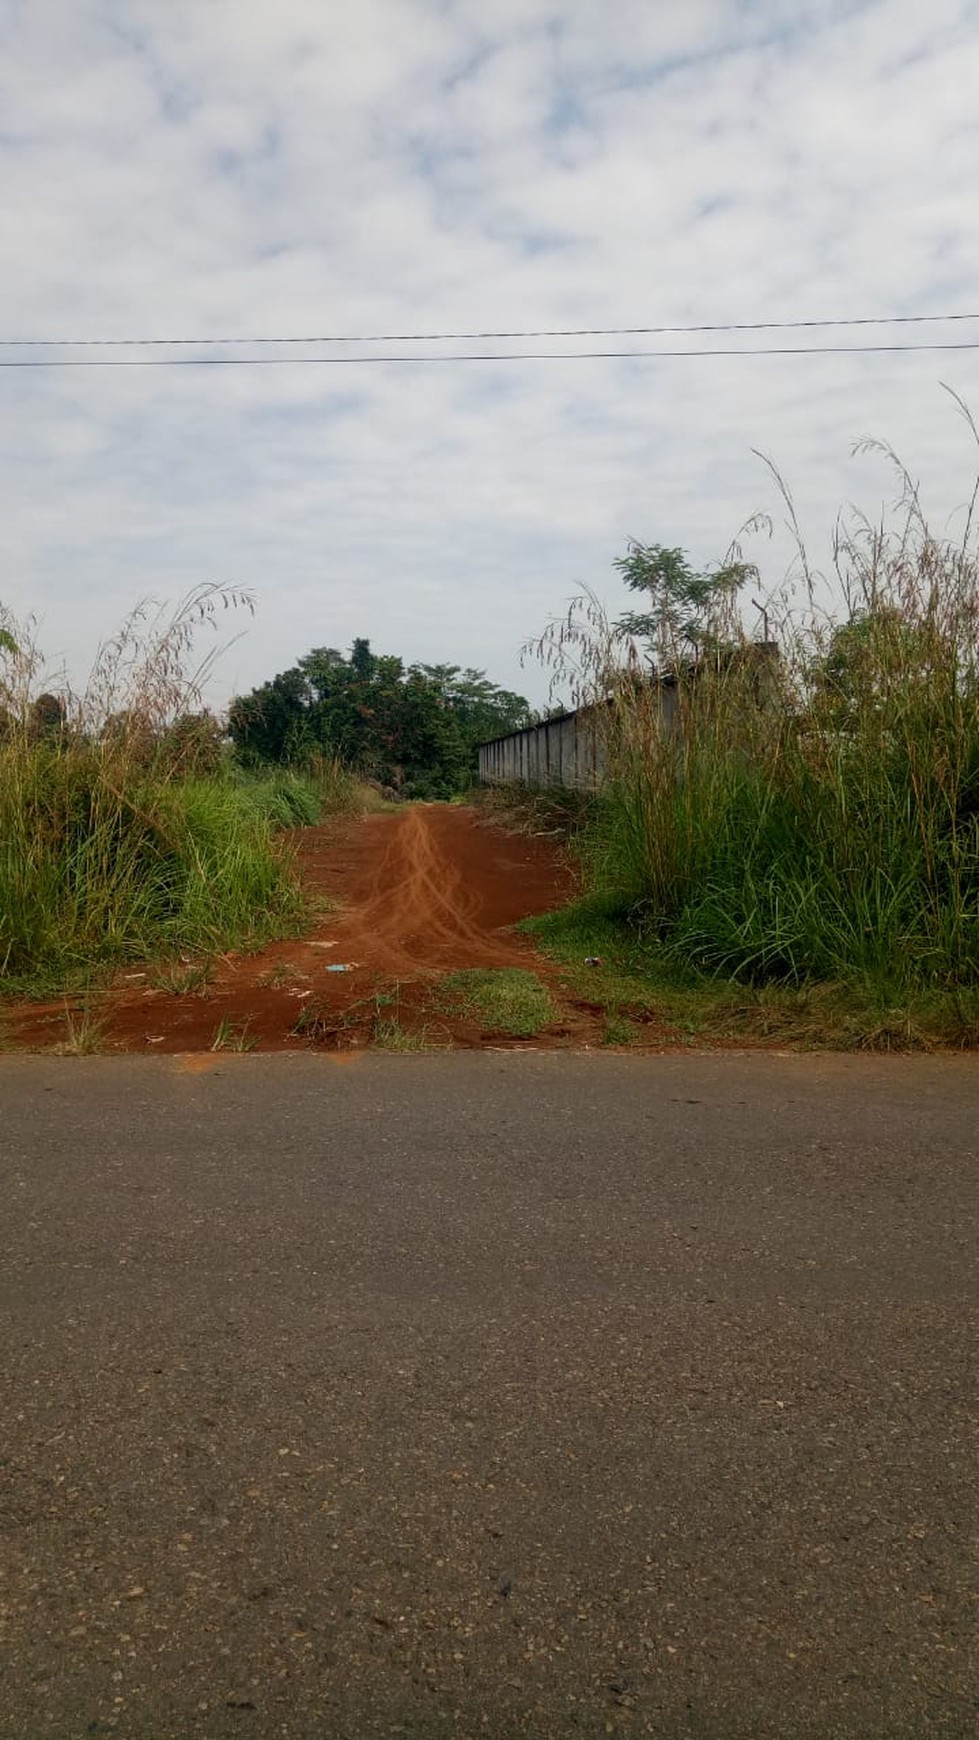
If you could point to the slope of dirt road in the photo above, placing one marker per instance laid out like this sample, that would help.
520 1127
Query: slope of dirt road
410 895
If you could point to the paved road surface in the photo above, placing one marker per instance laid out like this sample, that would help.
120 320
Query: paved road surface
488 1395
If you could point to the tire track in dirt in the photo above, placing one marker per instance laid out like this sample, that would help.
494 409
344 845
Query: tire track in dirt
420 913
411 894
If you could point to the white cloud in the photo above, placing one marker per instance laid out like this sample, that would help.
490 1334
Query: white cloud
411 166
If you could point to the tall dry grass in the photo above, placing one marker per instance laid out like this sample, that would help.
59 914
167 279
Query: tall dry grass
120 834
808 810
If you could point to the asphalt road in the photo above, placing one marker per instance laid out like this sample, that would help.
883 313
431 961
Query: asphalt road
488 1395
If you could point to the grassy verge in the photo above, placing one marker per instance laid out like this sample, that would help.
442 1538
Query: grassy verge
102 864
126 834
338 791
281 799
786 843
646 993
508 1000
647 989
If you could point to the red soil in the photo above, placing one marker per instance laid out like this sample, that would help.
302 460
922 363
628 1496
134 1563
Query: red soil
413 894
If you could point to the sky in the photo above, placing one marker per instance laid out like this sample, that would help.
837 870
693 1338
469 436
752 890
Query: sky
238 169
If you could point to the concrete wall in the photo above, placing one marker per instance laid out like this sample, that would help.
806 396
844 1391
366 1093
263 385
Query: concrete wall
569 750
566 751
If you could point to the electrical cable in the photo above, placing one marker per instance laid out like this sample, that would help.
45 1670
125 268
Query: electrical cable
244 362
471 337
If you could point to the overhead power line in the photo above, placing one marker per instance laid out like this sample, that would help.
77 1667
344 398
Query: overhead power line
473 337
434 359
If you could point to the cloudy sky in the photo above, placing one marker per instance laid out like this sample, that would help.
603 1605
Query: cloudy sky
249 169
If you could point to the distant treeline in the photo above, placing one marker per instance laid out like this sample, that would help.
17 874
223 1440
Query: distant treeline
411 728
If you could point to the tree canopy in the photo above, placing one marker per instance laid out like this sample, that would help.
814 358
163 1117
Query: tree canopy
688 612
414 728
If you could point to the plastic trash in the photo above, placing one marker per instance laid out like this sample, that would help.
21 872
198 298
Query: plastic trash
593 960
341 966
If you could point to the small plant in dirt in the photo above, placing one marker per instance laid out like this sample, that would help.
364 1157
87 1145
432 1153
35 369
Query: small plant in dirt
282 974
373 1020
313 1021
388 1032
84 1033
389 1035
182 978
233 1036
617 1030
504 1000
319 1024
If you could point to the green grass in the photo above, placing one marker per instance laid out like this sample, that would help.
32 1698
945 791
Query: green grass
389 1035
638 982
233 1036
616 1030
181 978
338 791
126 831
84 1033
98 867
507 1000
280 800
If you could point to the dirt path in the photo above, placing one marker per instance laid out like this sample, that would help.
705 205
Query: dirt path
411 895
437 889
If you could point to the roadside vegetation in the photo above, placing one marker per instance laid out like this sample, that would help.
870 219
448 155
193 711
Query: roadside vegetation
137 827
787 843
509 1001
125 833
784 848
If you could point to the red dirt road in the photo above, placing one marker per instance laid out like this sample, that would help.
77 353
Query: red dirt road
436 889
412 894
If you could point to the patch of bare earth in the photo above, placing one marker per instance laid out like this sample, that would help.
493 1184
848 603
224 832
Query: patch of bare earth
413 894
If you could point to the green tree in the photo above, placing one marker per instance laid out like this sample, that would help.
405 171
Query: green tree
362 661
271 724
480 708
48 717
688 612
876 656
414 729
